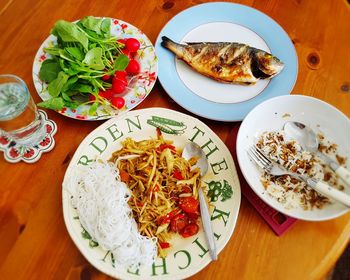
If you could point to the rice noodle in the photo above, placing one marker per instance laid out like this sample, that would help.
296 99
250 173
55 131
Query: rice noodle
101 201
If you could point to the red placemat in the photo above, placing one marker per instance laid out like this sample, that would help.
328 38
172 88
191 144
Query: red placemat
278 222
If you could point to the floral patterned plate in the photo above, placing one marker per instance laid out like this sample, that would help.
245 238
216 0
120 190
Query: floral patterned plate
141 88
186 256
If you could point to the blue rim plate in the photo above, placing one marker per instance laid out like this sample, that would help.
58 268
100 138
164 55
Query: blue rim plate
275 37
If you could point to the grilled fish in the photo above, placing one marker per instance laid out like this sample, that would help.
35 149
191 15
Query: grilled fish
227 62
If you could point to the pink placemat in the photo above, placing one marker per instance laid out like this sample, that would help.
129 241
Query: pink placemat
278 222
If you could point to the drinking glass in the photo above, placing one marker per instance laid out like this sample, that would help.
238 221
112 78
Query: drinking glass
19 117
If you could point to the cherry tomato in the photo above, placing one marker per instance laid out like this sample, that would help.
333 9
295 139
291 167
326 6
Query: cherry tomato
164 245
132 45
192 217
118 86
178 223
118 102
92 97
106 77
190 230
168 217
133 67
189 204
177 174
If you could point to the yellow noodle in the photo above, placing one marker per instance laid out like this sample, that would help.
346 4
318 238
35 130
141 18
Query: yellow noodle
152 183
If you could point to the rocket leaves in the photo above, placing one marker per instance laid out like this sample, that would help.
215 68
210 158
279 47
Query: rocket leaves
85 52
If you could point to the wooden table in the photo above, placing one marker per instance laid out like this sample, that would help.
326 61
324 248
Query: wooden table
34 241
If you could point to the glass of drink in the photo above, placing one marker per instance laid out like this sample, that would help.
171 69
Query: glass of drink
19 117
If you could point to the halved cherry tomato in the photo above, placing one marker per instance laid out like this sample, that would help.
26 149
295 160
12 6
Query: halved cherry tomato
190 230
192 217
132 44
177 174
118 102
168 217
178 223
133 67
189 204
164 245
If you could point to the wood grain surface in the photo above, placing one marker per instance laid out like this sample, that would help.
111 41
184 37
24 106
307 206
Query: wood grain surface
34 243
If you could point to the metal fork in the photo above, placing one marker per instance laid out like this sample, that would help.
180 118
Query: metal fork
273 168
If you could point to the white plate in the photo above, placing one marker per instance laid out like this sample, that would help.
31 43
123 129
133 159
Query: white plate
187 256
271 115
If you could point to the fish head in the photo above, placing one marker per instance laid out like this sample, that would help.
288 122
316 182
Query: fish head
266 65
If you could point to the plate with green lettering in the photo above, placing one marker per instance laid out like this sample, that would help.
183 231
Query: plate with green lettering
186 256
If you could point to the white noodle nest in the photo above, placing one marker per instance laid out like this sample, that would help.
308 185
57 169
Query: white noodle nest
101 201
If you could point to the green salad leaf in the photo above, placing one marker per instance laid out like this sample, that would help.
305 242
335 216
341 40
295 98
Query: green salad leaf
93 108
93 58
84 52
49 70
106 26
121 62
57 84
75 52
69 32
94 24
55 103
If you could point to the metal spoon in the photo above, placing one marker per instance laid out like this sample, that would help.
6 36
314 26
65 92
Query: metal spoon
193 150
307 139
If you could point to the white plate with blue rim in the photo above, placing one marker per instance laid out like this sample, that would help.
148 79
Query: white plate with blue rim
224 22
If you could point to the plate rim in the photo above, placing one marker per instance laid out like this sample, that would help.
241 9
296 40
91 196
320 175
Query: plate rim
50 37
220 107
246 177
236 203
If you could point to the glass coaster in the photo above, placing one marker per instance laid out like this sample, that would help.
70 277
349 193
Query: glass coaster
13 152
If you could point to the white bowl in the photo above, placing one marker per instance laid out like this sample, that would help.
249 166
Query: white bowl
271 115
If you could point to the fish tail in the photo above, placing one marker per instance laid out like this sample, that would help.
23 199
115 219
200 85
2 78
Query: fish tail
169 44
